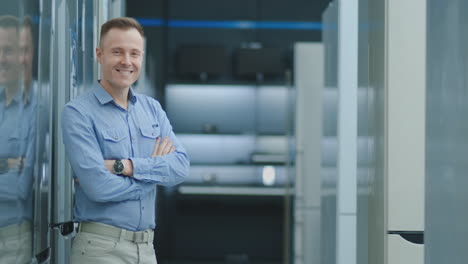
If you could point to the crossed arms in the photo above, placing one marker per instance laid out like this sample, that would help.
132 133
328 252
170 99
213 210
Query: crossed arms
160 149
168 164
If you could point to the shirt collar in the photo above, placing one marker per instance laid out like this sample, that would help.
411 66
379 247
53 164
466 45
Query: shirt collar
104 97
16 98
28 96
2 92
132 96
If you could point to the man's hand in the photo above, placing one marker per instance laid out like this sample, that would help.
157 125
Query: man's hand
163 147
128 168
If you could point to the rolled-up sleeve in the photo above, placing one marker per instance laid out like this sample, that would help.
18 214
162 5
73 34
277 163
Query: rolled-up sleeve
87 162
167 170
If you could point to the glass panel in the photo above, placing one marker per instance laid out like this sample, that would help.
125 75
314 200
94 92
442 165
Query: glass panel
85 47
329 145
24 126
16 140
43 136
447 133
65 74
364 162
372 202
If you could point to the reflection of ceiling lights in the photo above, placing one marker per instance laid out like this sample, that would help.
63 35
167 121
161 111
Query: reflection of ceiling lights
268 175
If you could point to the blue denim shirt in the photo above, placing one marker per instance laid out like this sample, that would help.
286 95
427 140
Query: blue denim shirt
16 140
95 128
29 128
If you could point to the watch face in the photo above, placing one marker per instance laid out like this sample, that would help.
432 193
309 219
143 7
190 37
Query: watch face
118 167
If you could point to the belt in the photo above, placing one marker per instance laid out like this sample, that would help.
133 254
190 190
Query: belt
15 229
115 232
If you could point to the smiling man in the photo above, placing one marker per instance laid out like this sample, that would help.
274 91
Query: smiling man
120 144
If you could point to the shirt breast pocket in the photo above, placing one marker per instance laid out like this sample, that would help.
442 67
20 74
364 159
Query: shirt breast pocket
14 145
148 138
14 138
114 143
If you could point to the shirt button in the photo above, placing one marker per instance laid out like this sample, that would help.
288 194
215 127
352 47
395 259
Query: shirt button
116 138
133 138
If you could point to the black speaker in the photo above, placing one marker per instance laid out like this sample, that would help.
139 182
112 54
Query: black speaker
196 60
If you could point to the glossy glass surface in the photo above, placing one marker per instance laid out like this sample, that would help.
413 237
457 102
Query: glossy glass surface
364 154
447 133
329 171
24 134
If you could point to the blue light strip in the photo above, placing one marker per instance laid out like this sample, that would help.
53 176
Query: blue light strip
148 22
211 24
291 25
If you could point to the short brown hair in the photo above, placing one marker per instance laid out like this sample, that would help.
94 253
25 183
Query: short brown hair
9 22
121 23
27 22
28 25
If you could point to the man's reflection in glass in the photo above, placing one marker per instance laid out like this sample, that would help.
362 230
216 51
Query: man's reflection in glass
26 60
17 146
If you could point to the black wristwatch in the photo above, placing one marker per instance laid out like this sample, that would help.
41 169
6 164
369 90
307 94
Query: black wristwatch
118 166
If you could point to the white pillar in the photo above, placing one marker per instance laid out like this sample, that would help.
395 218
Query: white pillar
309 82
346 223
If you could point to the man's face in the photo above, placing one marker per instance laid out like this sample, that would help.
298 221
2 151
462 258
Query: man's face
9 56
26 47
120 55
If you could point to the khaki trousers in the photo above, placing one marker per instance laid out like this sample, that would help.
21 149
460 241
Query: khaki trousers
92 248
16 243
